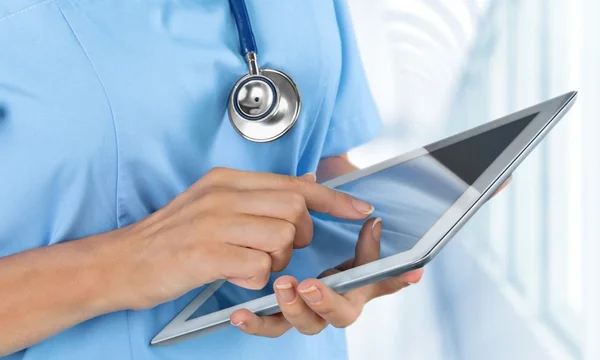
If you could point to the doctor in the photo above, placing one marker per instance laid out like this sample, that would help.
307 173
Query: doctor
119 136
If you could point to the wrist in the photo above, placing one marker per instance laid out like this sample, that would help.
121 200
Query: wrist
107 272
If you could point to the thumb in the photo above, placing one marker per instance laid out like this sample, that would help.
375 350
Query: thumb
368 245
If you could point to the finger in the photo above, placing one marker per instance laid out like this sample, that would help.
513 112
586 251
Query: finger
345 265
367 250
505 184
248 268
341 267
384 287
327 273
395 284
368 245
319 198
273 236
413 277
268 326
335 309
294 309
311 176
277 204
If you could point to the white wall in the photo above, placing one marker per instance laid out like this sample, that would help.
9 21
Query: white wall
521 281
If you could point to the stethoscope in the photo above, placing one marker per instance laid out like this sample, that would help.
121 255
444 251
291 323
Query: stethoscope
265 103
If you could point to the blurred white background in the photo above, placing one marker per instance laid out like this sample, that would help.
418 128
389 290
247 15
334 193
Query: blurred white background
521 280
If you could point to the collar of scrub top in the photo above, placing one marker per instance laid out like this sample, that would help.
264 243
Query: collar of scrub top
265 103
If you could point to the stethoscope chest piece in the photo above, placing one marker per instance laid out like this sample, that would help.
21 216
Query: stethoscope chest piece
265 106
265 103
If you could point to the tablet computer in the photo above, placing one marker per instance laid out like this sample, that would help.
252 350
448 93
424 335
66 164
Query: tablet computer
423 197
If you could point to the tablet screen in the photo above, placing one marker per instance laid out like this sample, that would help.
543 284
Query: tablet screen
410 197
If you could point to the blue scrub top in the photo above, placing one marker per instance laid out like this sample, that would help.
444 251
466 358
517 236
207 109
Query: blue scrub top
109 109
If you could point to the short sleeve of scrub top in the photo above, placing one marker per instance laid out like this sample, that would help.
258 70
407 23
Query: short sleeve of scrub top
109 109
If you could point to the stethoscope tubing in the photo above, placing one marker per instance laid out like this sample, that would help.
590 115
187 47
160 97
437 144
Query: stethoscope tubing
244 27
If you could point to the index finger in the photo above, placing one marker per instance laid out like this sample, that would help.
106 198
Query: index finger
319 198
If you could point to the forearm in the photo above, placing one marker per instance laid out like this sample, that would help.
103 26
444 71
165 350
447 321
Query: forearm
47 290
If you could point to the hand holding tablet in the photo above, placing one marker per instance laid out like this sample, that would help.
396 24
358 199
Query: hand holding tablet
310 306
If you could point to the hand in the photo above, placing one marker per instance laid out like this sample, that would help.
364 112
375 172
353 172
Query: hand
233 225
310 306
505 184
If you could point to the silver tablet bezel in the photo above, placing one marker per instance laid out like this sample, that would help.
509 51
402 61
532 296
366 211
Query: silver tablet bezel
549 112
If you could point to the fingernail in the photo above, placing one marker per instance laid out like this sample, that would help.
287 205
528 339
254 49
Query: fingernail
362 206
377 229
241 324
311 175
286 292
312 294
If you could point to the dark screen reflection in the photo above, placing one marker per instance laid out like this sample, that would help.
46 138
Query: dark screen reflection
409 197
